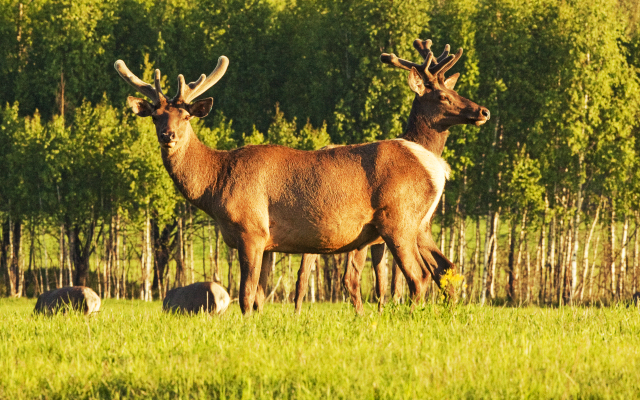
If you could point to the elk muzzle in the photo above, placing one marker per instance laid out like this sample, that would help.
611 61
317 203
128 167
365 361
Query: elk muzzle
167 139
483 117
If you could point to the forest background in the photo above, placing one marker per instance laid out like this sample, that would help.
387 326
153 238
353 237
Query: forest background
542 206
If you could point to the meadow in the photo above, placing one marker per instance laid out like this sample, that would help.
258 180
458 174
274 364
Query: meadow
132 350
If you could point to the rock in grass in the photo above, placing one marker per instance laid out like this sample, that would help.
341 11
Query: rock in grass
80 298
196 297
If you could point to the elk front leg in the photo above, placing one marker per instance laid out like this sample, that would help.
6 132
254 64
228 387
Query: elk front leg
250 253
303 278
378 259
265 271
351 279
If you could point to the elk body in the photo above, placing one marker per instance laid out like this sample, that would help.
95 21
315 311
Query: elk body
272 198
193 298
436 108
79 298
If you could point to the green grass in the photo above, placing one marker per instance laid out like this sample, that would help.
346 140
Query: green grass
132 350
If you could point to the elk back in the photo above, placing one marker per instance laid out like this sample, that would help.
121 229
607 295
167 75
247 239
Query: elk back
198 296
79 298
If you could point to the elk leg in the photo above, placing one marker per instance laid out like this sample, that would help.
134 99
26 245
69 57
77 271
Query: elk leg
303 278
396 283
407 256
437 264
378 259
265 271
351 279
250 257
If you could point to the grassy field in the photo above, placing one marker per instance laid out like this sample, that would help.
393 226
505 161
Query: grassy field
131 350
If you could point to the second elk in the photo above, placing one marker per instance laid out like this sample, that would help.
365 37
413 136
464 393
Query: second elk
436 108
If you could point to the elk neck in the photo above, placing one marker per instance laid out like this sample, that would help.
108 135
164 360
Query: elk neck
424 131
193 167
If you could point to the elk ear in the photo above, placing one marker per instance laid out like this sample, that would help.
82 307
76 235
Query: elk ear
450 82
140 107
201 108
416 83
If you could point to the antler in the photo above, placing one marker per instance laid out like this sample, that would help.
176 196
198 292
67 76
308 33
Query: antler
155 94
430 67
186 93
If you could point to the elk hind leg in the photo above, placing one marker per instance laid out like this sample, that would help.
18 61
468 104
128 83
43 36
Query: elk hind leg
250 252
378 259
436 262
303 279
406 254
351 279
265 271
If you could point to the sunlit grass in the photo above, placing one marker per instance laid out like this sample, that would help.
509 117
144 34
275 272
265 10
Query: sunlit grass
132 350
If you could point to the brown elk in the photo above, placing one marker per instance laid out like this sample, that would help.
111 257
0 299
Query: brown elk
80 298
208 296
436 108
273 198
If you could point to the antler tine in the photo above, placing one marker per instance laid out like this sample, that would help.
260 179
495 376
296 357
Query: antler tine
157 83
189 92
444 54
423 47
392 59
447 63
138 83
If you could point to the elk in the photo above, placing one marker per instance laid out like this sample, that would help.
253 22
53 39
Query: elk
198 296
80 298
436 107
270 198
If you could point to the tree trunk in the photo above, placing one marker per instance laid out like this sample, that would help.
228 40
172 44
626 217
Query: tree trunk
511 272
190 246
494 252
123 270
319 283
212 260
180 267
518 267
462 249
148 264
585 255
636 254
230 258
485 265
551 270
623 258
613 252
576 242
16 251
593 266
5 255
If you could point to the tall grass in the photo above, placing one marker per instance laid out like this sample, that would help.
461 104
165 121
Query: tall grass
132 350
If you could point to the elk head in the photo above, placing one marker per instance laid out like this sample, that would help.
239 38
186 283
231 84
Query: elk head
435 98
171 116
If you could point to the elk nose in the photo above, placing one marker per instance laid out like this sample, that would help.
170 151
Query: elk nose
167 137
485 113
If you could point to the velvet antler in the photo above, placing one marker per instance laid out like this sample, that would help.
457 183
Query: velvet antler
186 93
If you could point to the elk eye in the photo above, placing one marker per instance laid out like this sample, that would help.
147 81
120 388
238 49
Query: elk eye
443 97
187 117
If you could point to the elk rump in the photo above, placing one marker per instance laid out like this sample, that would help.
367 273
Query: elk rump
79 298
195 297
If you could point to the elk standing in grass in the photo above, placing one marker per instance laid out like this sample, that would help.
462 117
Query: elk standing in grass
80 298
436 108
273 198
